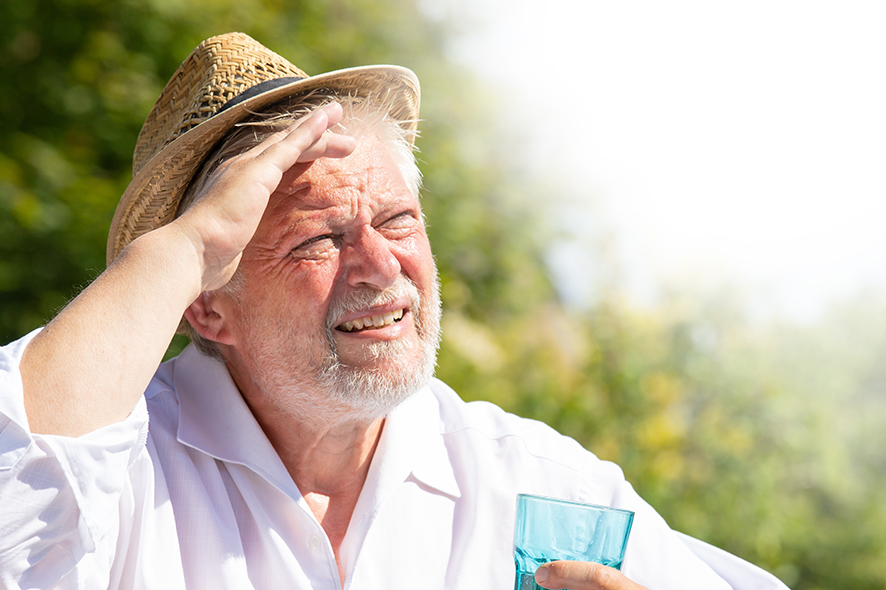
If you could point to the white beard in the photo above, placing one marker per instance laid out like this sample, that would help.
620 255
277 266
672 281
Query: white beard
329 392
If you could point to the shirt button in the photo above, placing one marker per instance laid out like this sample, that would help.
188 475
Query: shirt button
313 542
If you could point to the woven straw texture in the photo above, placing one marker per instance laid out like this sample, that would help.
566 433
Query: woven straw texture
216 71
186 122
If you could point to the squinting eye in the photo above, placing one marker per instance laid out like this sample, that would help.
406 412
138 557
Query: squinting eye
314 240
318 247
400 221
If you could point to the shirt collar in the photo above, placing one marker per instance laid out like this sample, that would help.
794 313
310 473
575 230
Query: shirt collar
215 419
412 444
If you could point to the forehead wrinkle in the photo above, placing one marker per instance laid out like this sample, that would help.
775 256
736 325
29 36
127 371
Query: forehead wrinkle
349 193
335 189
298 219
288 208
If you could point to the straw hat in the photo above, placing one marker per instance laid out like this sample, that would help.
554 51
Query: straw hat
223 81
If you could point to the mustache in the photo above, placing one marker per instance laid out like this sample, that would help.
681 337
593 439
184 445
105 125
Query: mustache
367 297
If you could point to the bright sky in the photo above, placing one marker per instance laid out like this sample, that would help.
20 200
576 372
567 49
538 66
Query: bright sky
744 140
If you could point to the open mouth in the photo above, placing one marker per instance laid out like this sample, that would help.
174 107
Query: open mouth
372 322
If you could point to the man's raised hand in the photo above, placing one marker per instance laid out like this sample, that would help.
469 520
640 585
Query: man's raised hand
227 212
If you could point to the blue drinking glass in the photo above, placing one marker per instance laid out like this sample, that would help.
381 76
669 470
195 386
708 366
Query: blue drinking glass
549 529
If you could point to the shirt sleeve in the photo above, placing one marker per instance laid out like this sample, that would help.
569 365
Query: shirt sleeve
740 574
660 557
58 495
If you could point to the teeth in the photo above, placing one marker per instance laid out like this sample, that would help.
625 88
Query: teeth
375 321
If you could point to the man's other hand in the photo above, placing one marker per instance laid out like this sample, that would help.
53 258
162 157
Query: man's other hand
582 575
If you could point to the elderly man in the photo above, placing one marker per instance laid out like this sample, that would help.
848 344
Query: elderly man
300 441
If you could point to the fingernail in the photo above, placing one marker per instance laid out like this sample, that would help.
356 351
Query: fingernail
541 574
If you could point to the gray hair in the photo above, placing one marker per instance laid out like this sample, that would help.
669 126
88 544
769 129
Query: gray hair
362 117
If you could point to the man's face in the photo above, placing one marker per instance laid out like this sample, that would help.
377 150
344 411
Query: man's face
338 298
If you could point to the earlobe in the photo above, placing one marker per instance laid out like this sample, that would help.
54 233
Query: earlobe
207 319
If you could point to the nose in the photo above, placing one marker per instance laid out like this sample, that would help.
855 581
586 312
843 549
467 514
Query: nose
369 261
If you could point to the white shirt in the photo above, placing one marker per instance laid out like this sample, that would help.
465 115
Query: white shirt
201 499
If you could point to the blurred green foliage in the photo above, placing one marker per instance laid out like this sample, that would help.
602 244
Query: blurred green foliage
763 439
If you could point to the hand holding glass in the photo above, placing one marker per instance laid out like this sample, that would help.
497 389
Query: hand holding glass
550 530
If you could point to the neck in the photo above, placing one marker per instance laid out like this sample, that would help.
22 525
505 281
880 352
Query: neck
322 458
329 465
327 454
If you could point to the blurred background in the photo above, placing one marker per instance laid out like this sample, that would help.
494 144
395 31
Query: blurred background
658 225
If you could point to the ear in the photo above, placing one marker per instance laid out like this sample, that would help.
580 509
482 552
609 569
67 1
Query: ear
208 318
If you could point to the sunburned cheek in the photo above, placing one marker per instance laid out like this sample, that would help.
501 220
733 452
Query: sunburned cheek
313 276
417 252
413 242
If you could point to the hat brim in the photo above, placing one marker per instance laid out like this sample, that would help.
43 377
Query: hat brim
151 199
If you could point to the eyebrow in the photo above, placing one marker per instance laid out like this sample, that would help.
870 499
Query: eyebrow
288 228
